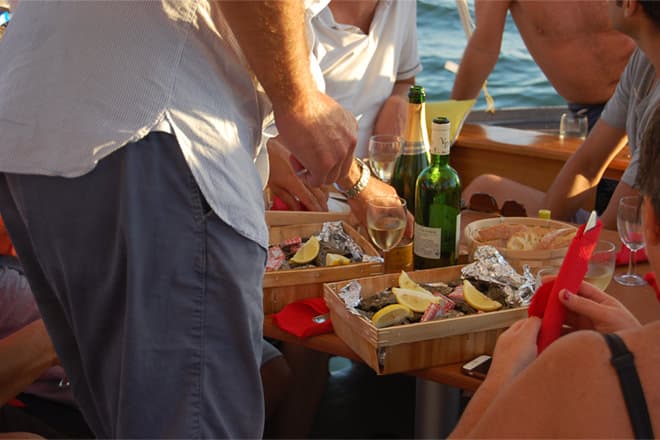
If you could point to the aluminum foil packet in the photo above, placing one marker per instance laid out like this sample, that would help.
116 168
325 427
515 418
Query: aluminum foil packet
333 233
490 266
351 293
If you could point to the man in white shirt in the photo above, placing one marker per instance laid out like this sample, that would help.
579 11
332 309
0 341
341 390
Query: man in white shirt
129 132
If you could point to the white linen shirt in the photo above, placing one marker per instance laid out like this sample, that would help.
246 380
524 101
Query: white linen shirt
360 69
78 80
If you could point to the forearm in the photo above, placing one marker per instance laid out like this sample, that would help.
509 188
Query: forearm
26 355
476 65
272 37
583 170
393 113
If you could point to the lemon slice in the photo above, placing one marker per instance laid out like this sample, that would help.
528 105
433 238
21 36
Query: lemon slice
407 283
391 315
336 260
414 299
307 251
477 299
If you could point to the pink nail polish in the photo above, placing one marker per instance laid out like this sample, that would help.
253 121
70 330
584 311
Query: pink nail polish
566 294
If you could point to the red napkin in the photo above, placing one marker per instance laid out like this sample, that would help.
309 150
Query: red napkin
296 318
545 302
650 278
623 256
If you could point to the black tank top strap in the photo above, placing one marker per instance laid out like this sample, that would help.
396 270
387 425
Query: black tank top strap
623 362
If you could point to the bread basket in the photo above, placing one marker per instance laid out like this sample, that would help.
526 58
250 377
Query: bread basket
534 258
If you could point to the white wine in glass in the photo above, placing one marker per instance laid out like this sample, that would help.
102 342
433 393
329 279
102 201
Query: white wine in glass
383 151
386 221
601 264
629 225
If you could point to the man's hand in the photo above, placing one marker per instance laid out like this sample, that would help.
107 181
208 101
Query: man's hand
376 188
284 183
321 135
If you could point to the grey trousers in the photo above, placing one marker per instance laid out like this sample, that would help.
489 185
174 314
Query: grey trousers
153 303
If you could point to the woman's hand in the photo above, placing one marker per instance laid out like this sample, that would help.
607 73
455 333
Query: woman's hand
594 309
284 183
515 350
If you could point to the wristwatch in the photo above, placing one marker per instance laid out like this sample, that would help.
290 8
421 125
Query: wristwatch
361 184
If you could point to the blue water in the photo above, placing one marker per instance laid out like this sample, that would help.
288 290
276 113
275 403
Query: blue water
516 80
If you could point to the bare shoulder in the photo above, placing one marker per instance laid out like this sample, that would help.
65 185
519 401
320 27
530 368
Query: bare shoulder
561 16
572 381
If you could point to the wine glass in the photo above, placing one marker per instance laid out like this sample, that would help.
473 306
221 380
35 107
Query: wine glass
383 151
386 220
601 264
629 225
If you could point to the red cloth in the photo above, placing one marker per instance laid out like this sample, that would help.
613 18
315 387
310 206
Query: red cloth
545 302
16 403
650 278
623 256
278 205
296 318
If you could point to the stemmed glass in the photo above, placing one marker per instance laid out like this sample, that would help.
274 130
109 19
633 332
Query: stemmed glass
629 225
386 220
383 151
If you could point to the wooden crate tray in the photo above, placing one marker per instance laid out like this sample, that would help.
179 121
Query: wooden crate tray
420 345
282 287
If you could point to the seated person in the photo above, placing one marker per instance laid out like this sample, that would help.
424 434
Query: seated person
626 113
30 369
573 389
373 84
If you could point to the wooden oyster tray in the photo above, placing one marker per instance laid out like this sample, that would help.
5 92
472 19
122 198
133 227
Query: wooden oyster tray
420 345
283 287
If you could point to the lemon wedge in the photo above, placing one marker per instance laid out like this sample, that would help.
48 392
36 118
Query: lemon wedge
407 283
414 299
391 315
307 252
336 260
477 299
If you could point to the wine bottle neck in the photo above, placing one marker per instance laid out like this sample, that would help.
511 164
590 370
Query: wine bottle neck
439 159
416 139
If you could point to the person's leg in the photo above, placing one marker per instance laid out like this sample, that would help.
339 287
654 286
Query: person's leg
503 189
295 415
153 303
276 378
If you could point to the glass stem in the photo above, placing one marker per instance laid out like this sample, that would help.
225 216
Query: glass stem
633 262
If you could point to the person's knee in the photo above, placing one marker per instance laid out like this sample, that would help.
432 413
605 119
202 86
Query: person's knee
483 183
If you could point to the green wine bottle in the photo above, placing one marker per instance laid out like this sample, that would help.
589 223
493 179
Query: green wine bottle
415 151
437 205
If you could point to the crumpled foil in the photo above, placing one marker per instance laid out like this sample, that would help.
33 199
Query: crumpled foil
490 266
333 233
351 293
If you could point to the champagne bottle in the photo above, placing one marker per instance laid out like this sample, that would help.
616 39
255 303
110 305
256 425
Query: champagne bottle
437 205
415 151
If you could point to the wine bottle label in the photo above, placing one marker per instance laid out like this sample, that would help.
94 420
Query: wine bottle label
427 241
440 138
410 148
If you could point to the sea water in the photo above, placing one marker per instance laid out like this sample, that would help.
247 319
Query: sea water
516 80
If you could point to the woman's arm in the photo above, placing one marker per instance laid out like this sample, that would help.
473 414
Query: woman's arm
26 354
